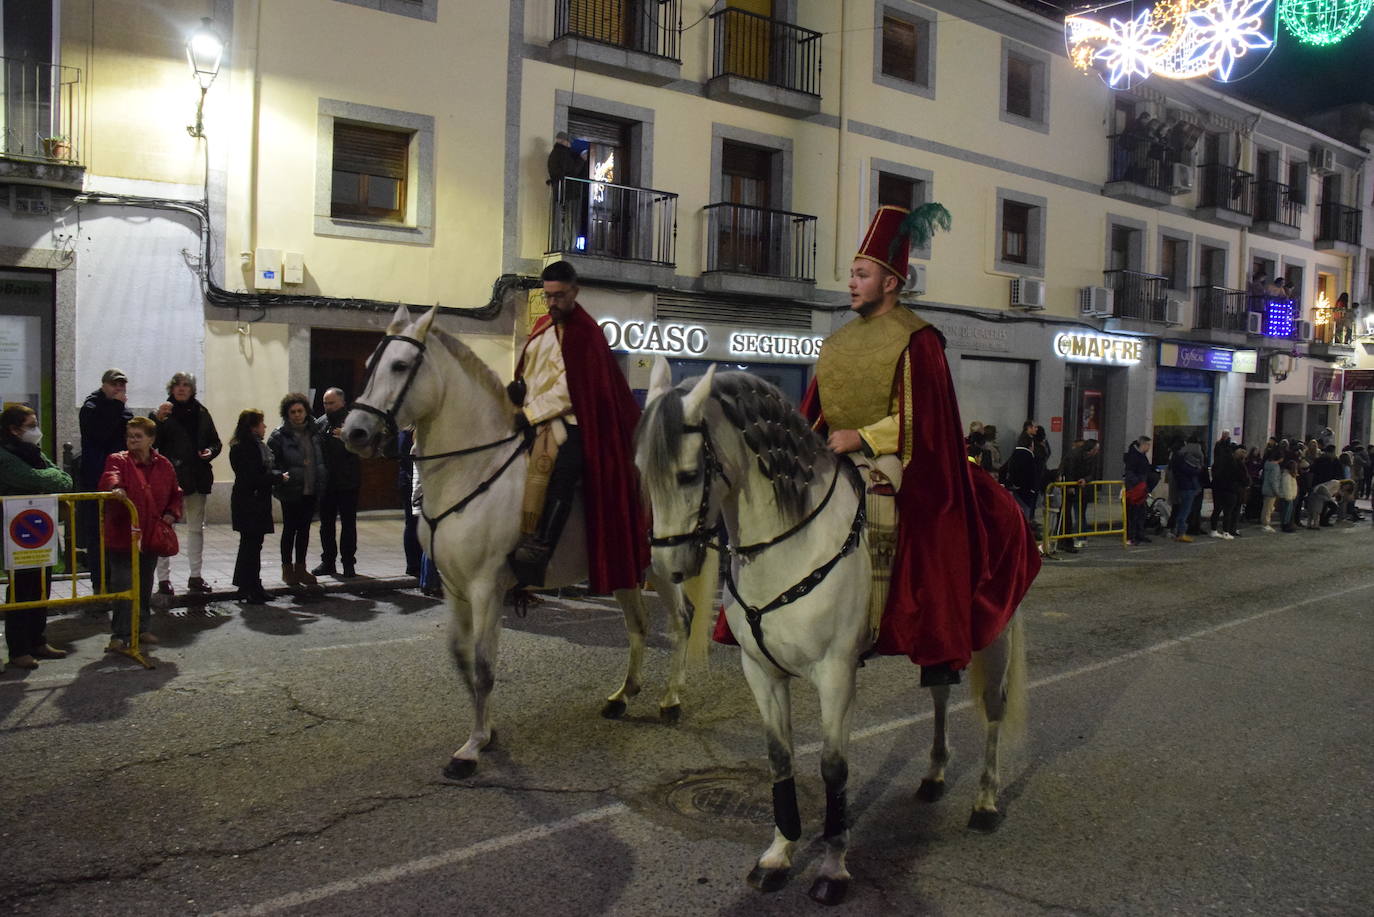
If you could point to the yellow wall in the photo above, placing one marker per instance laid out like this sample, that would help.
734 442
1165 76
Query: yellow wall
249 371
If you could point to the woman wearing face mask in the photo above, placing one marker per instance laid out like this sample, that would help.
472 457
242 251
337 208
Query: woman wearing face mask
186 436
24 469
298 450
150 483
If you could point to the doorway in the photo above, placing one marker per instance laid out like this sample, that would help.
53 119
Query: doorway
746 240
339 359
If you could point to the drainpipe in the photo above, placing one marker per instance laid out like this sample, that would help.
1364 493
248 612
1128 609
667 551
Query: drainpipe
247 41
841 272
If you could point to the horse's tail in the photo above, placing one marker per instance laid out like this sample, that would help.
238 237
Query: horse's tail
700 591
1012 725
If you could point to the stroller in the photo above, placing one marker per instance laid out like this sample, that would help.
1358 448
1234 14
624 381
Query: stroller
1155 508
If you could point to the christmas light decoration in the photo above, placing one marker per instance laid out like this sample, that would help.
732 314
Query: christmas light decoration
1323 22
1175 39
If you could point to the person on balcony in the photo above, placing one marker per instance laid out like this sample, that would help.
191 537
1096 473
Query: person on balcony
569 197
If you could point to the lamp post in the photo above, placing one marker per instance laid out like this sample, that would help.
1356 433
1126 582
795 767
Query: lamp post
204 49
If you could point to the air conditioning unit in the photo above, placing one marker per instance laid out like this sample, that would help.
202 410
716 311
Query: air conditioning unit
1096 301
1322 160
1303 331
1027 293
1254 323
916 278
1173 311
30 200
1181 181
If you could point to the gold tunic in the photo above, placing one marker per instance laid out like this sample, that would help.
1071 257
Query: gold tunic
855 373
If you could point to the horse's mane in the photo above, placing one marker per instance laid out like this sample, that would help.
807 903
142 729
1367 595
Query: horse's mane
788 452
472 364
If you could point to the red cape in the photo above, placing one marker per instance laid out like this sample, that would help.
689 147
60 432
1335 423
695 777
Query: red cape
617 526
965 555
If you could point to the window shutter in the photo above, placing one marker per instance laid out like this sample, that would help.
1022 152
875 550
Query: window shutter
370 150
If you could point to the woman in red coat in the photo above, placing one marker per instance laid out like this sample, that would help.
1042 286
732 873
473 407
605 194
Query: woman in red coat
150 483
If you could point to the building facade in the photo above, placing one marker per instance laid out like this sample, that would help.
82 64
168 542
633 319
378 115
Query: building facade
722 161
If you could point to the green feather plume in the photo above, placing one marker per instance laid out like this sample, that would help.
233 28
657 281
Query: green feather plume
920 224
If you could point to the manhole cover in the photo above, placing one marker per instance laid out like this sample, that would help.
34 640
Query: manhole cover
732 796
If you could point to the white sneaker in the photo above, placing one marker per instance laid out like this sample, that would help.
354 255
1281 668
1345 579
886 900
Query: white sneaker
1080 542
1228 536
1218 533
1268 528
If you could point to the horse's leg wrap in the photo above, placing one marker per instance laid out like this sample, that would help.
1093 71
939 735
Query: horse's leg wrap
835 771
785 813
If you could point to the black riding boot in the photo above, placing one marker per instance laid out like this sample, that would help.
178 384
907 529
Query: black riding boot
531 556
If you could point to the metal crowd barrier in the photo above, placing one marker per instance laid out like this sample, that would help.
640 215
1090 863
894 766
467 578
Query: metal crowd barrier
1096 499
100 583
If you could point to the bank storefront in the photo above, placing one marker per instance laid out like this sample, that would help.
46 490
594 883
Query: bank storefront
1199 391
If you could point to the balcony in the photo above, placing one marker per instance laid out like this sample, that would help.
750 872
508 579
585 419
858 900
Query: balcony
614 232
764 63
759 251
1338 229
1277 215
631 39
1220 309
41 120
1142 171
1139 296
1226 195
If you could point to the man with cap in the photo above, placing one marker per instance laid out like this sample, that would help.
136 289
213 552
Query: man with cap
103 420
965 556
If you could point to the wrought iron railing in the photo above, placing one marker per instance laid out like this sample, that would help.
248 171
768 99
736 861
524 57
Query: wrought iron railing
1220 309
40 116
1137 294
759 48
612 221
1140 160
1227 189
1338 223
755 240
650 26
1274 203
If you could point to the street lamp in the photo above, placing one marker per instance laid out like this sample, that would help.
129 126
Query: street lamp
203 52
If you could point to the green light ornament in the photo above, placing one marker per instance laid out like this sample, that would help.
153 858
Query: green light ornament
1323 22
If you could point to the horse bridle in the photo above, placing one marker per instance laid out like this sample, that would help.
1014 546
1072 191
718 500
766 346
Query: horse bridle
700 535
389 416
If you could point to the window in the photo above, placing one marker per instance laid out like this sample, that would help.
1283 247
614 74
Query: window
899 191
374 173
901 49
1173 263
904 47
369 180
1015 232
1019 246
1025 86
900 185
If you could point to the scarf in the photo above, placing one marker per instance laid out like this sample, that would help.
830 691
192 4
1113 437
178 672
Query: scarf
28 452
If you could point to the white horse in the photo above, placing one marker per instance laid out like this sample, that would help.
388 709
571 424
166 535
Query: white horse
472 471
729 449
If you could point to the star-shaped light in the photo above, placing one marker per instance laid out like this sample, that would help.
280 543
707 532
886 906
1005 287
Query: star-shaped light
1130 50
1226 30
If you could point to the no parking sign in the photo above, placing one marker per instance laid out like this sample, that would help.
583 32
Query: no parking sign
30 532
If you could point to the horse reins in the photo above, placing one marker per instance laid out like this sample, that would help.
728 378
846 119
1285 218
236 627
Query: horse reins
389 416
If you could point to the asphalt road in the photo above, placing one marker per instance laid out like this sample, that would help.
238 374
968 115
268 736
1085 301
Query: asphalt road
1200 742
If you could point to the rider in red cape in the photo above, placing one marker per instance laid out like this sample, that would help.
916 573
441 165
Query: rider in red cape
606 413
965 556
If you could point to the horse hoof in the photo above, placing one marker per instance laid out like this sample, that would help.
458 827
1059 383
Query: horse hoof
767 880
459 768
827 891
670 715
930 790
985 820
613 710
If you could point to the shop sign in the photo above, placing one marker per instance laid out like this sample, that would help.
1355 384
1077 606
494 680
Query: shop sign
1196 356
1358 380
1085 347
651 337
1326 384
1244 361
775 345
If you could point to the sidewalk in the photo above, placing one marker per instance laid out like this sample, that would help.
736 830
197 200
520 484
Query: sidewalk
381 560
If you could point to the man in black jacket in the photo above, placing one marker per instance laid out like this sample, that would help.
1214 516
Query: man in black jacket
1137 473
103 419
340 498
1327 467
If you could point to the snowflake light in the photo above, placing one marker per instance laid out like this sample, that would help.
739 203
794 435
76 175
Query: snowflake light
1226 32
1323 22
1128 54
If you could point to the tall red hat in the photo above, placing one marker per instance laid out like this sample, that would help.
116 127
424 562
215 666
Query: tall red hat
885 243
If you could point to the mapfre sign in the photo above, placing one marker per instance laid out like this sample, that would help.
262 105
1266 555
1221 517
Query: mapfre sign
1085 347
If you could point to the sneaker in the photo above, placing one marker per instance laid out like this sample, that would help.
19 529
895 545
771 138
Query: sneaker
165 588
1228 536
1184 538
1268 528
1218 533
1233 534
1080 542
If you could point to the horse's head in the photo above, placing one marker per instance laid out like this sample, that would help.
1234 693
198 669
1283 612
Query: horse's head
681 472
393 394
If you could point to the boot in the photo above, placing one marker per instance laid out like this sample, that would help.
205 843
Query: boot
530 559
289 575
306 578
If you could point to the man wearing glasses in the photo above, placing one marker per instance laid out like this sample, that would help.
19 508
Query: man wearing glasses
576 406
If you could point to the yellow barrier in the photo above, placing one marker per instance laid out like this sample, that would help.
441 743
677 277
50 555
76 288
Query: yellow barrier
98 587
1104 495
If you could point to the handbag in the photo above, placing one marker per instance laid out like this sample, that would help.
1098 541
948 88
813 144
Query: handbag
159 538
1135 496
